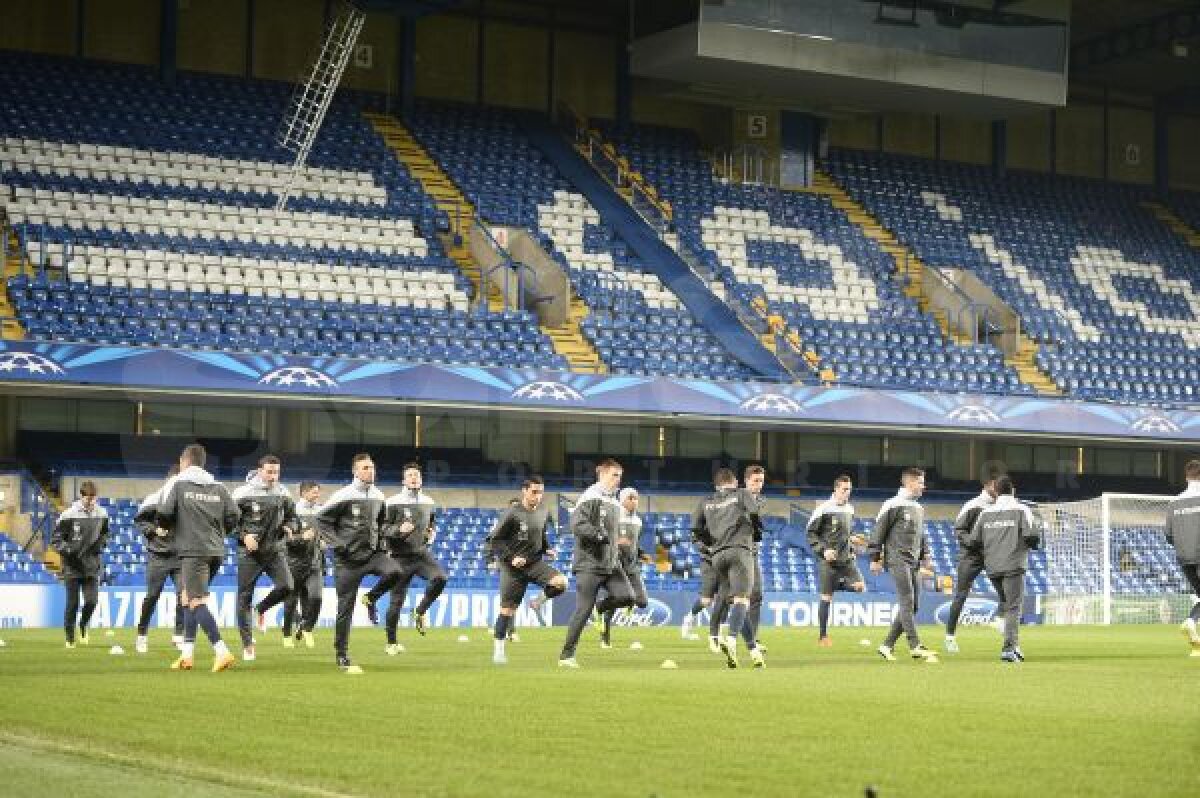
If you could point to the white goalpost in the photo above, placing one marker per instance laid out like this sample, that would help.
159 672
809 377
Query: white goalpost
1107 560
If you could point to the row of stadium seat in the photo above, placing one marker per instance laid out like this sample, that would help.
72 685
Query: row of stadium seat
788 563
486 153
164 193
1096 280
811 266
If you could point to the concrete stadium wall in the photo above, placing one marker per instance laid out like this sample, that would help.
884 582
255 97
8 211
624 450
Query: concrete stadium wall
122 30
39 26
213 36
1182 134
1085 139
534 65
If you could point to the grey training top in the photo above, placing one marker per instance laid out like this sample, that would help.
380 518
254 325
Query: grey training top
1183 525
899 536
727 520
830 527
1005 532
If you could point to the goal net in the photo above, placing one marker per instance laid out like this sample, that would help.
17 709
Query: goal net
1107 560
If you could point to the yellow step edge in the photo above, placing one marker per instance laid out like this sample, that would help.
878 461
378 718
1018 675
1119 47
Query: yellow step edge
913 268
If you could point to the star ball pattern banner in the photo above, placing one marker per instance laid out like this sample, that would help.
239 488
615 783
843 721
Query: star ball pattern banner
280 376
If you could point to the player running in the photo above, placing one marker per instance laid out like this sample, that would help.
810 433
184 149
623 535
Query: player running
306 561
198 514
594 562
970 560
408 529
729 522
1183 532
79 538
349 523
629 556
268 519
161 562
899 544
1004 533
520 544
831 536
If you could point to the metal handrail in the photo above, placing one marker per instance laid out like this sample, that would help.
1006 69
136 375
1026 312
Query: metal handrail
748 165
616 169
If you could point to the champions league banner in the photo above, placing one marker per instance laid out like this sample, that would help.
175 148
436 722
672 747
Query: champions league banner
800 610
282 377
41 606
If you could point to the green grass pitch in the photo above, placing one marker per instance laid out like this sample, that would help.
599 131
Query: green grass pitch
1095 711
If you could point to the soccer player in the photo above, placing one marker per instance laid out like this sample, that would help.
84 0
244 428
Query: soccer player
268 519
408 529
1004 533
198 514
970 560
594 524
629 557
350 524
755 478
899 544
79 538
831 536
729 523
306 561
520 544
708 592
161 562
1183 532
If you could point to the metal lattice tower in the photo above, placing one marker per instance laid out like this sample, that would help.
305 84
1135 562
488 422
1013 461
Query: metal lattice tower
311 101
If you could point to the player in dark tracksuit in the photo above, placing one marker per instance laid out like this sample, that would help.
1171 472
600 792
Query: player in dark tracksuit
408 529
729 523
79 538
755 478
520 545
1005 532
708 592
594 563
629 556
970 560
899 544
161 562
268 519
1183 532
831 537
198 514
350 524
306 561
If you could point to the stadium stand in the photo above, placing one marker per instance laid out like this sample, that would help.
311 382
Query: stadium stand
16 566
636 323
1108 291
152 203
812 267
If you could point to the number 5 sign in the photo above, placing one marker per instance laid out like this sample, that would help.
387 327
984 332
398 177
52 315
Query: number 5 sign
756 126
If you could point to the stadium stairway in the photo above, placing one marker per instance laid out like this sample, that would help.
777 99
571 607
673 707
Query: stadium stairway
568 339
10 325
448 197
716 316
775 329
1177 225
912 269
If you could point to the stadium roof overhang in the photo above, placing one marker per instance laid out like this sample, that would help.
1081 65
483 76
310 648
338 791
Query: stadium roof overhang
741 66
